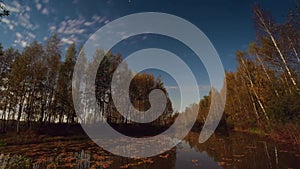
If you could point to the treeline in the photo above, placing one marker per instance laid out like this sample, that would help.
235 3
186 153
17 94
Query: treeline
263 93
36 86
265 87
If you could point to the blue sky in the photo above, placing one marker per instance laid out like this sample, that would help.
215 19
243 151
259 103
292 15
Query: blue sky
228 24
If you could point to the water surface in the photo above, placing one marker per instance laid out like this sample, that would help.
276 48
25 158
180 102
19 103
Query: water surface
236 150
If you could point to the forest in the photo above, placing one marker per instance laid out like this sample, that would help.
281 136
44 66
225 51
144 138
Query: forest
263 95
39 127
37 87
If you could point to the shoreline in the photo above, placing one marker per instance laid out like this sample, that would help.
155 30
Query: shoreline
32 137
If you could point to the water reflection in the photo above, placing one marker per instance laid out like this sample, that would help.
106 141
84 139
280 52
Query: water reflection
242 151
237 150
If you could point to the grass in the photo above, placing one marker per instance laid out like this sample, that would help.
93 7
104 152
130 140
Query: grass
15 162
2 143
78 160
30 137
257 131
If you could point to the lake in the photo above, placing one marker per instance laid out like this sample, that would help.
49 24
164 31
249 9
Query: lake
236 150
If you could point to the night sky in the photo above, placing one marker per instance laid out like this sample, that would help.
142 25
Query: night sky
228 24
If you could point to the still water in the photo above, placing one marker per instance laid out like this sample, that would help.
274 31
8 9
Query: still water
233 151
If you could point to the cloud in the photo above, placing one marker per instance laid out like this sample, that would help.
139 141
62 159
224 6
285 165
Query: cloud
31 35
4 20
98 19
66 41
45 11
73 30
71 26
88 23
11 27
23 43
21 19
69 40
23 39
77 26
52 28
24 21
14 7
20 23
27 8
16 4
20 42
9 24
38 6
19 35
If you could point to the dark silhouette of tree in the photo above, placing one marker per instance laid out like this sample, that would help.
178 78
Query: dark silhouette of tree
3 10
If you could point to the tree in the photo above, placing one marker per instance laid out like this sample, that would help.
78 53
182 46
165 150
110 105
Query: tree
3 10
52 59
265 23
64 87
7 58
264 89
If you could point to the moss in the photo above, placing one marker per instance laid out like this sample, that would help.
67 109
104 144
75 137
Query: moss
257 131
2 143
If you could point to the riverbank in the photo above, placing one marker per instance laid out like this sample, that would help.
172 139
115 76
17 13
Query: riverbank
75 132
283 136
43 134
239 150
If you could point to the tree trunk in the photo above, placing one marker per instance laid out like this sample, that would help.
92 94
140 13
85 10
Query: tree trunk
19 116
267 30
254 91
268 77
294 50
3 125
